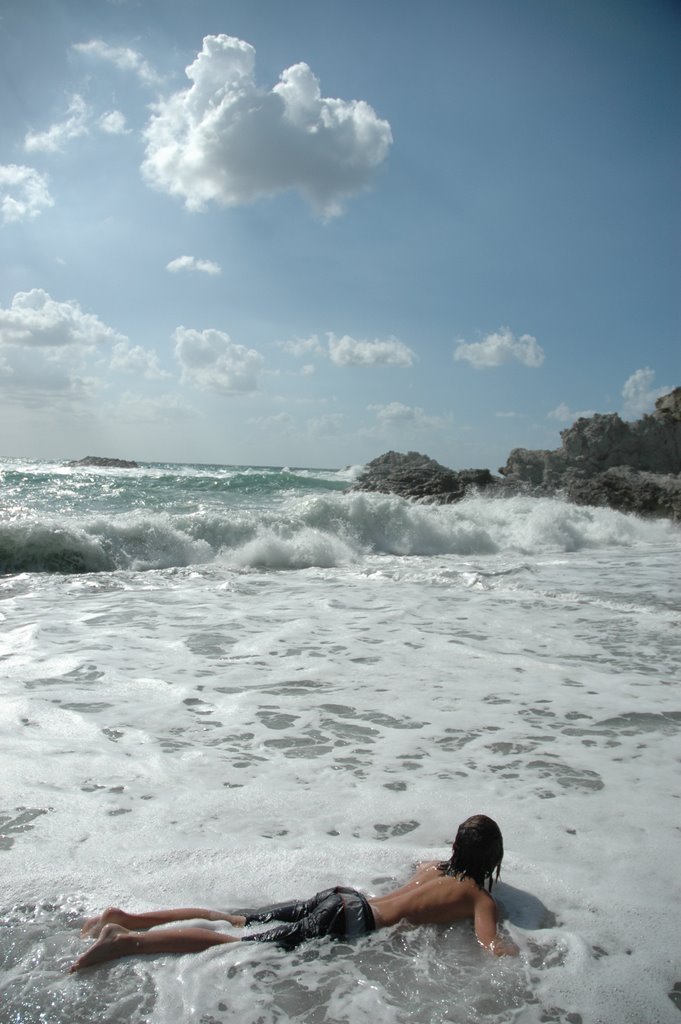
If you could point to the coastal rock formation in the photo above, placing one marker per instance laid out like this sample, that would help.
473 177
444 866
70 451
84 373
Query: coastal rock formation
603 460
417 476
97 460
630 490
597 443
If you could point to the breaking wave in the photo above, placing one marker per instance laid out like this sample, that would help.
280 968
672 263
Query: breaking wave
323 529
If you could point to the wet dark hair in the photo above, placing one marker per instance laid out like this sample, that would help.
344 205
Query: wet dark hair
477 851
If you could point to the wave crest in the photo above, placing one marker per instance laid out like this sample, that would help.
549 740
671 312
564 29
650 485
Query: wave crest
321 530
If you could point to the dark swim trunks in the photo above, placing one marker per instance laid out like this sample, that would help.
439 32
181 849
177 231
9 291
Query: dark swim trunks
339 913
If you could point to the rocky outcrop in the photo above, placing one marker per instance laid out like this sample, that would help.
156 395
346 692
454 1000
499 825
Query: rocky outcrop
417 476
604 460
598 443
629 490
96 460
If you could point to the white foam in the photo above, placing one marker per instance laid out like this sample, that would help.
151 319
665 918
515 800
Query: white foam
225 733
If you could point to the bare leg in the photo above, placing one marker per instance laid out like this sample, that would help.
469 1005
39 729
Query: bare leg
137 922
115 942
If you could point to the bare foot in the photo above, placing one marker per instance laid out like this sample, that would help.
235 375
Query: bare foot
111 944
112 915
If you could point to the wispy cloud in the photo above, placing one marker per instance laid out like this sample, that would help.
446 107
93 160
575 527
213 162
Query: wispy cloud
23 193
564 414
396 414
304 346
329 425
279 423
74 125
135 408
500 347
191 263
122 57
227 140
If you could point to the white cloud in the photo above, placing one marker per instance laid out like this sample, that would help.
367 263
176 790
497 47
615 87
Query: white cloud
226 139
501 347
346 351
23 193
639 394
113 123
121 57
564 414
396 414
135 359
55 138
36 319
191 263
304 346
212 362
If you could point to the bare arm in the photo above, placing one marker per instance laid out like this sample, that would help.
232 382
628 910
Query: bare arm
486 928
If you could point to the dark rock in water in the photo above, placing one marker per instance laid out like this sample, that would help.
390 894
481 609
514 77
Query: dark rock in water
96 460
629 490
417 476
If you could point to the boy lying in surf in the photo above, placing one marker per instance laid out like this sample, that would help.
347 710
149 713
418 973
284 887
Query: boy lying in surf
438 893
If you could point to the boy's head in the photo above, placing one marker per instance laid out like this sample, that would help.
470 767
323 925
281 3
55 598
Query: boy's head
477 851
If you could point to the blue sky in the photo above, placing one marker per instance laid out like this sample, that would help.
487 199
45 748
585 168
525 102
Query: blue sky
304 233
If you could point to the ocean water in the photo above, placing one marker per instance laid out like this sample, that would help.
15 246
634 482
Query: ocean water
222 686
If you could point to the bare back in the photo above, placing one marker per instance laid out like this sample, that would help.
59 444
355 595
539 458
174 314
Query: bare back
431 897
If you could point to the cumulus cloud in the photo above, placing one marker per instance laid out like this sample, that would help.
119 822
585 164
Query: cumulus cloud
396 414
347 351
191 263
639 394
122 57
211 361
501 347
58 134
135 359
226 139
36 319
23 193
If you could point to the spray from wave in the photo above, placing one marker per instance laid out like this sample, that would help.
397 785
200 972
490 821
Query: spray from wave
323 530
